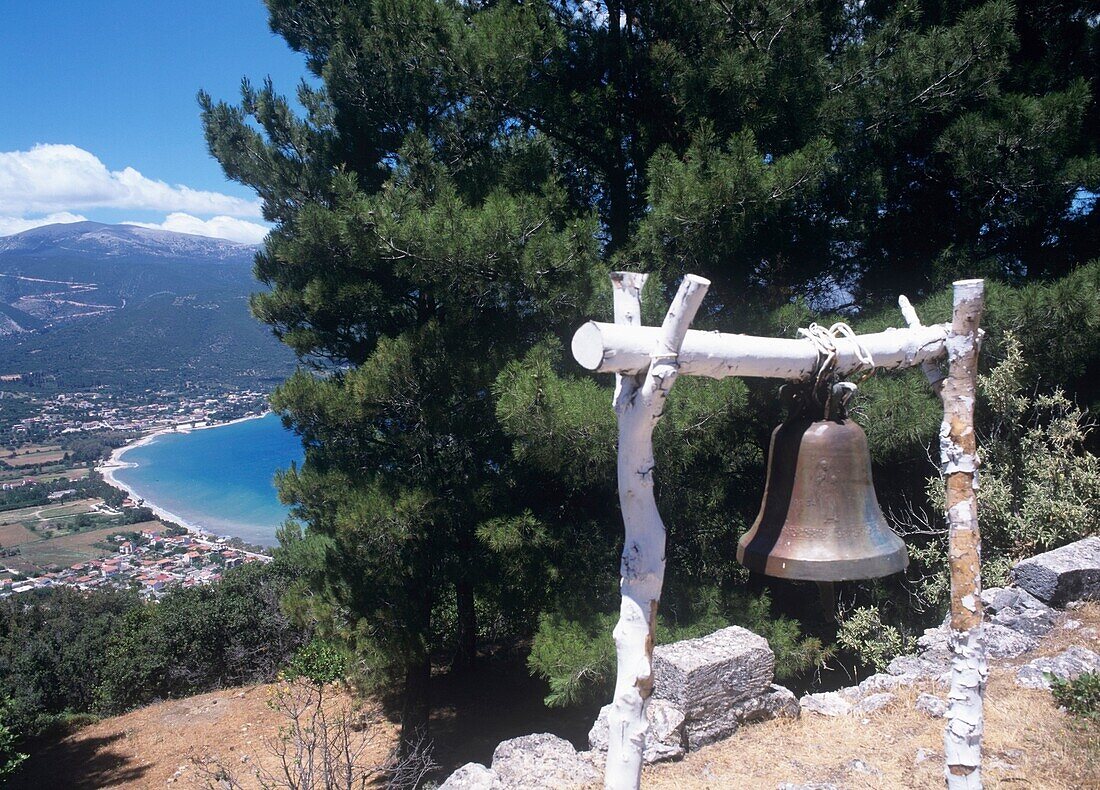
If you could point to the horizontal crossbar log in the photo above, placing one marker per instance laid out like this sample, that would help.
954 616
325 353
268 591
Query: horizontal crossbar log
621 348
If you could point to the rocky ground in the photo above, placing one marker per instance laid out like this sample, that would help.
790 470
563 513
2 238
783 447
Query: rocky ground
886 732
894 739
181 743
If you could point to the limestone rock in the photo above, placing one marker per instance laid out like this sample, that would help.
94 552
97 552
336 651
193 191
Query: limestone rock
932 705
776 702
472 776
998 598
1003 642
923 755
1000 642
826 703
705 677
919 667
1033 622
664 740
541 762
861 767
1067 665
877 683
873 702
934 646
1067 574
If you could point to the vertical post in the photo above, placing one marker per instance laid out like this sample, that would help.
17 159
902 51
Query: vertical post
959 457
639 403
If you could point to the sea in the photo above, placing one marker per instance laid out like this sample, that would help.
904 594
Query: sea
220 479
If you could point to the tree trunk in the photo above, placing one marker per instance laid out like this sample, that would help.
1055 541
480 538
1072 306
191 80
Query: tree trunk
416 705
959 455
639 403
466 652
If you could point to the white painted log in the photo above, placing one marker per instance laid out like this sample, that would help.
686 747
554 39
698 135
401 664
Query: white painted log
931 369
962 737
622 348
639 403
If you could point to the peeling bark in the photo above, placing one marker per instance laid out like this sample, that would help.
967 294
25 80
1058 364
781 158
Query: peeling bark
959 459
639 403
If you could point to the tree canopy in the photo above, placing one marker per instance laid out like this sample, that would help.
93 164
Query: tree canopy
455 179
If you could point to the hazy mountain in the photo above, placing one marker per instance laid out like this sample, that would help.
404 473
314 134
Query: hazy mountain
93 303
113 241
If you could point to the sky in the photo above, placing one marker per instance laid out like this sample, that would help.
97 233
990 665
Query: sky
100 120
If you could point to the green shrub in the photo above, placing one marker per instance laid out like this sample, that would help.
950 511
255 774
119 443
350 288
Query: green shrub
577 658
319 662
10 757
875 643
1080 696
1039 484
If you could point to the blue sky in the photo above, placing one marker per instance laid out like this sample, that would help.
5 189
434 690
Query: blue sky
100 119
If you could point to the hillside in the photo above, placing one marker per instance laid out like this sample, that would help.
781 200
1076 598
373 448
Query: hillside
171 743
1029 742
87 303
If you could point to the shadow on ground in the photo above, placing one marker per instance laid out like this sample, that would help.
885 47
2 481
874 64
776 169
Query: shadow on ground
84 764
496 700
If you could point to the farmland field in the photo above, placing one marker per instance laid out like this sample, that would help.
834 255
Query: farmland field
50 456
16 534
79 473
65 550
46 512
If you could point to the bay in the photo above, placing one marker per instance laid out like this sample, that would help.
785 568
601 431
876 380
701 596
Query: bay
219 479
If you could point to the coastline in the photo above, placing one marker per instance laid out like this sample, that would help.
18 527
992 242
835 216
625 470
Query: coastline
115 463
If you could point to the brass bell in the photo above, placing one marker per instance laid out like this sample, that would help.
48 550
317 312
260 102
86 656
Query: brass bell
820 519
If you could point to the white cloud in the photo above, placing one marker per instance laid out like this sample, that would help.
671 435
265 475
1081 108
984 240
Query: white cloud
10 225
221 227
60 178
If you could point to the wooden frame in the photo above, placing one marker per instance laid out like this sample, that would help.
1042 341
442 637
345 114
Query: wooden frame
647 361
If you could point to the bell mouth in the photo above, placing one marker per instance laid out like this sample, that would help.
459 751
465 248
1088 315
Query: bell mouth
824 570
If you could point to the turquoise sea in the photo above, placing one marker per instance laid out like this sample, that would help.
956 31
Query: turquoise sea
220 479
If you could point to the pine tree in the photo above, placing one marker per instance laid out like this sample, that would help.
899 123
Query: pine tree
422 242
460 175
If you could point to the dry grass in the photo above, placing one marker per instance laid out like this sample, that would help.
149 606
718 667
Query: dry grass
33 458
168 744
16 534
65 550
1028 742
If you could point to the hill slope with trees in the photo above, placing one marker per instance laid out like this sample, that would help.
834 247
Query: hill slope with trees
88 304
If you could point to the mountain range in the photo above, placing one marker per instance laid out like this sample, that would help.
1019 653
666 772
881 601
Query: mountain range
88 303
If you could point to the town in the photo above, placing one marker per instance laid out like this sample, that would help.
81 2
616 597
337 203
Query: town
149 560
63 525
28 415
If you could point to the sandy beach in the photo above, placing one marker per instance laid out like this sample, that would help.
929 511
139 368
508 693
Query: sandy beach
115 463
